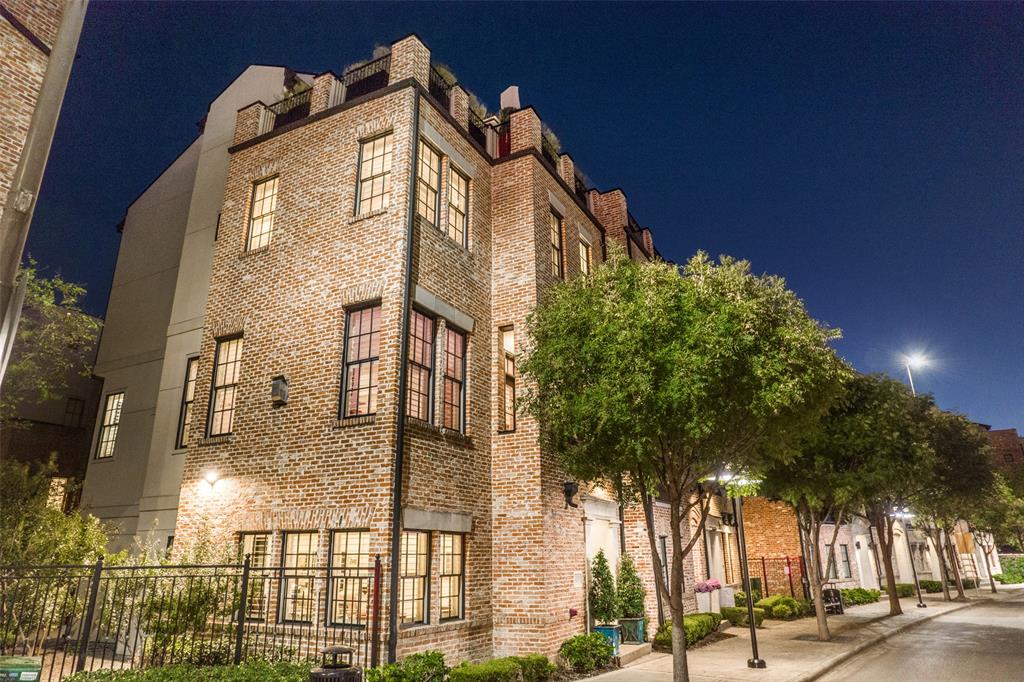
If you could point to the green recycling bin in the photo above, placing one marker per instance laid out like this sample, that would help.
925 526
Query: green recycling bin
20 668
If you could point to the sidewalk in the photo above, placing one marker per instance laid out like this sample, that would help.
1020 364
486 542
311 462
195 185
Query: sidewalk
791 648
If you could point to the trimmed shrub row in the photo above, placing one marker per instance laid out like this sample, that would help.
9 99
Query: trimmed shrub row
737 615
905 589
586 653
854 596
1013 570
428 666
532 668
698 626
246 672
931 586
783 608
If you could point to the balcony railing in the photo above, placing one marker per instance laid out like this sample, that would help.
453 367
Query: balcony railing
548 151
440 88
291 109
580 188
367 78
477 129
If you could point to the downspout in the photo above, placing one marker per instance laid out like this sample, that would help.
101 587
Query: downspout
396 501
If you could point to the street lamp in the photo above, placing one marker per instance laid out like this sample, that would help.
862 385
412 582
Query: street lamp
905 516
915 361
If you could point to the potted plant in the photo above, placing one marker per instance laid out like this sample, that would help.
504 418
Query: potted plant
707 595
631 602
604 602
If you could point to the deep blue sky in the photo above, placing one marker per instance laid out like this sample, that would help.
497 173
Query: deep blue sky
871 154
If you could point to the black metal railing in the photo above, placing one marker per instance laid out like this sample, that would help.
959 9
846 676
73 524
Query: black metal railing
549 151
367 78
128 617
440 88
291 109
580 188
477 129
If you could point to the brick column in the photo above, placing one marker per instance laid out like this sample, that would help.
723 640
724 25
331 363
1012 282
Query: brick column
525 130
325 88
410 58
459 108
610 209
567 170
251 121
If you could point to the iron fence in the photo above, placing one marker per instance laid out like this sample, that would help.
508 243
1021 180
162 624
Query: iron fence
440 89
477 129
291 109
549 151
778 575
367 78
119 617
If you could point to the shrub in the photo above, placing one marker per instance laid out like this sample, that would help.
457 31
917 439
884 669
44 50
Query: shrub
905 589
697 627
498 670
931 586
604 602
585 653
631 590
424 667
1013 570
858 595
246 672
737 615
535 667
783 607
741 596
783 612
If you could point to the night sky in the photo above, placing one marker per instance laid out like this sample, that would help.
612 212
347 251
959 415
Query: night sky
871 154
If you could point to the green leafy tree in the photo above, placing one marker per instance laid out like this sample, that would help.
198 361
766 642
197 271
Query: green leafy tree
631 589
664 378
992 516
604 600
54 340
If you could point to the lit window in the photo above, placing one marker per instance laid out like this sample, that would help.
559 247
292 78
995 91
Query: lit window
261 222
844 552
421 363
58 495
414 565
227 368
109 425
188 396
508 379
832 573
257 546
428 181
454 379
458 206
585 258
350 573
374 185
362 354
299 567
73 411
452 575
555 228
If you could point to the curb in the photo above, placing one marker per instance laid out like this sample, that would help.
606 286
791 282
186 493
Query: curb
878 639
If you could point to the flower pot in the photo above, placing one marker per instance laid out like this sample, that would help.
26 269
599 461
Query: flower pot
613 633
708 602
632 630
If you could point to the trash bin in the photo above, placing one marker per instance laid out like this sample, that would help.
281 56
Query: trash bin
20 668
832 599
336 670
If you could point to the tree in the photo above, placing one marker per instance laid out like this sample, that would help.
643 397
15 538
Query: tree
821 484
604 600
664 378
54 339
887 428
631 589
996 513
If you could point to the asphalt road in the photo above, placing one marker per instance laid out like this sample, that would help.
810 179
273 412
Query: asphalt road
981 643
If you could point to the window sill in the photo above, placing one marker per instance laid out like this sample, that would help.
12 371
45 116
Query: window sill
423 428
216 440
248 253
416 629
361 420
367 215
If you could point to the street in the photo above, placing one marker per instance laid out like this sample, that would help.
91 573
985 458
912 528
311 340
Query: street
985 642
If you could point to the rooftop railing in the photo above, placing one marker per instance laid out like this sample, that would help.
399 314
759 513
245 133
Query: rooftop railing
440 88
549 151
580 188
477 129
291 109
367 78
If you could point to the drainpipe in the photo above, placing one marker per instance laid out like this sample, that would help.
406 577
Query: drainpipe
396 501
28 175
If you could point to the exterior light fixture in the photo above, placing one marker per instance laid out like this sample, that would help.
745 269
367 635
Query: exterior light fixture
569 489
279 390
211 477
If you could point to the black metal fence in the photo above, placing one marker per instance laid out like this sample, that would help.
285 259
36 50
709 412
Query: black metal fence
291 109
367 78
116 617
440 88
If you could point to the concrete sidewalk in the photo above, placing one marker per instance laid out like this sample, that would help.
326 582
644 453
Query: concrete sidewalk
791 648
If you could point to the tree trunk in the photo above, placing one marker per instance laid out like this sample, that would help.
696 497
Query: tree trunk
680 670
883 528
988 565
814 568
951 553
935 534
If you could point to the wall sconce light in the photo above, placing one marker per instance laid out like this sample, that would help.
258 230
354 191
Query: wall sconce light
279 390
208 484
857 544
569 489
211 477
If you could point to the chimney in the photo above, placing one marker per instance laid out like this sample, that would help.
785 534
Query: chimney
510 97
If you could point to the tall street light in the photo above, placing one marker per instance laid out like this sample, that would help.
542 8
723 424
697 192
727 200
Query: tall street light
905 517
915 361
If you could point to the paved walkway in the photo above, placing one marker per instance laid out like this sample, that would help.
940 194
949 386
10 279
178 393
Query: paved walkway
792 650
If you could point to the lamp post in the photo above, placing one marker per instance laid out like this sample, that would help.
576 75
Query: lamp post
905 517
756 661
916 361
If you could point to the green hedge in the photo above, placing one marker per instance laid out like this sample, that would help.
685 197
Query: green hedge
931 586
853 596
423 667
246 672
737 615
585 653
904 589
782 607
698 626
531 668
1013 570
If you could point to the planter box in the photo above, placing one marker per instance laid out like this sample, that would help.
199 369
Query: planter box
709 602
613 633
728 597
632 630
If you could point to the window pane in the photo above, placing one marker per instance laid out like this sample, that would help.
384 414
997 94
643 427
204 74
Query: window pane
507 376
351 572
362 346
300 561
555 228
109 425
374 175
227 370
257 546
414 564
428 182
261 220
188 395
458 206
421 355
451 575
454 369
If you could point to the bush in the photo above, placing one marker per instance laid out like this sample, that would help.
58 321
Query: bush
854 596
631 590
246 672
1013 569
737 615
604 601
424 667
931 586
790 607
697 627
741 596
498 670
905 589
585 653
783 612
